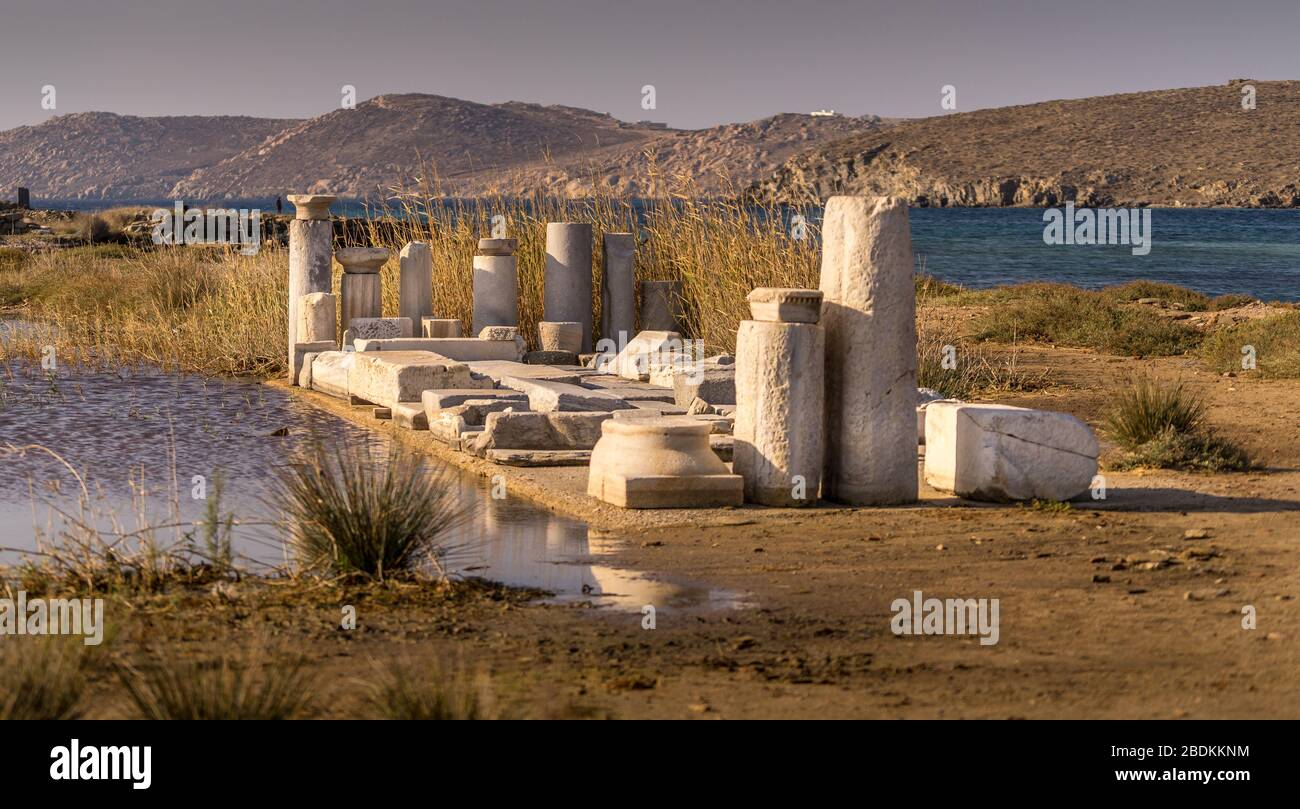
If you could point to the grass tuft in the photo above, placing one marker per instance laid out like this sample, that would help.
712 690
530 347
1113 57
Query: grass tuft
43 678
245 685
1163 426
405 692
350 514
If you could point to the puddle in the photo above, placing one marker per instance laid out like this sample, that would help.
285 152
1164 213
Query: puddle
142 440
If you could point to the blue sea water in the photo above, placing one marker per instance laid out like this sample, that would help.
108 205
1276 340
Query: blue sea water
1213 250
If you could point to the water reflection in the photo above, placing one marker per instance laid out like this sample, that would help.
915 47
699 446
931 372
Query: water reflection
142 439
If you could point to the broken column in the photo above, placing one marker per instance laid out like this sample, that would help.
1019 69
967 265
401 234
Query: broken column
567 287
311 242
869 316
415 282
317 317
780 366
361 286
565 337
618 288
660 307
496 285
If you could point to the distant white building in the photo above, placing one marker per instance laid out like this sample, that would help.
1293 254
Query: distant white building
823 113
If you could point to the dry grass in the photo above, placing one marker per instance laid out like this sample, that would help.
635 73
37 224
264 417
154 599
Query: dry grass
43 678
250 683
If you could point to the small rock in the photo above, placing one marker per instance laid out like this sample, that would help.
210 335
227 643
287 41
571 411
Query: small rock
1097 578
1196 533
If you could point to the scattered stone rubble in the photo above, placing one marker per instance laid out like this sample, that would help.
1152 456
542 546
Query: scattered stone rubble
820 400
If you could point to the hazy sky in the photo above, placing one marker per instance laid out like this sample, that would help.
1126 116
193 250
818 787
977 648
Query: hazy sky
710 61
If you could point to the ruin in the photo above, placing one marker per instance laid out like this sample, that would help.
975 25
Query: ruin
869 314
496 285
780 365
567 293
311 244
801 411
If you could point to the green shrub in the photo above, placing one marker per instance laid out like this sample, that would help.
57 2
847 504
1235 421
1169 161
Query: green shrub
1163 425
352 515
1276 341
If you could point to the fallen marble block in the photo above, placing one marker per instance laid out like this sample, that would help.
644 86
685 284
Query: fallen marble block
926 396
388 377
461 349
724 446
451 423
1002 453
555 431
500 370
714 384
660 463
636 358
301 352
410 416
439 399
640 393
550 358
539 457
329 372
545 396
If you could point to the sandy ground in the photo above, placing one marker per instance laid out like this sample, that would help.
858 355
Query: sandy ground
1127 607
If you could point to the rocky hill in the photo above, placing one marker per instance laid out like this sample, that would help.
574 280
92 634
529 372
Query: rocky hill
461 147
1194 147
477 149
101 155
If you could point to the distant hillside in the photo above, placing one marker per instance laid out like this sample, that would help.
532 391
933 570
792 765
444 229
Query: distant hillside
514 148
102 155
389 141
1194 147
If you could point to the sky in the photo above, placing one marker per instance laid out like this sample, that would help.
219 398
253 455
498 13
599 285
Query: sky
709 61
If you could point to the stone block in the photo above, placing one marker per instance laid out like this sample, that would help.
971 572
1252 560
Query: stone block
661 306
496 292
539 457
329 372
302 350
388 377
415 282
1002 453
782 305
550 358
545 396
529 430
499 371
460 349
714 384
379 328
440 327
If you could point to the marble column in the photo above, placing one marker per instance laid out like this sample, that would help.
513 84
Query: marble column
869 314
361 287
567 285
618 288
660 307
780 367
496 285
415 282
311 242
